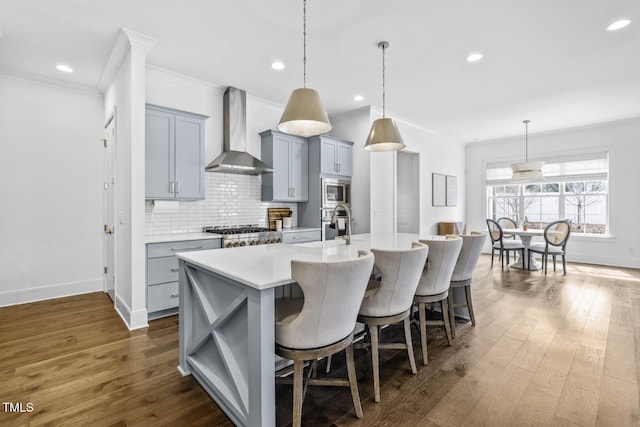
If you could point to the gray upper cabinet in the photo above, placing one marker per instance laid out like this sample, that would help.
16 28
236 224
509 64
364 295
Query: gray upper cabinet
335 156
174 156
289 157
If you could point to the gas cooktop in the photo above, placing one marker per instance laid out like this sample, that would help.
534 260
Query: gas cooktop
236 229
245 235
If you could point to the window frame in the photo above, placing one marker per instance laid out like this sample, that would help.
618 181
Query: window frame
561 195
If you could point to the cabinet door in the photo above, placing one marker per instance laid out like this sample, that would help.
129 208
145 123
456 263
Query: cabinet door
281 163
328 163
189 158
344 158
299 169
159 155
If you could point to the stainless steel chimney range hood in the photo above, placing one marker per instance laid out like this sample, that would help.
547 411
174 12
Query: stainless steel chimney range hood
234 158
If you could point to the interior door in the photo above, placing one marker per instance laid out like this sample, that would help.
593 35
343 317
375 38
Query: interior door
109 207
408 192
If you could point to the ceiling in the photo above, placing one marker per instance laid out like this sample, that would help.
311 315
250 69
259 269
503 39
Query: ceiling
548 61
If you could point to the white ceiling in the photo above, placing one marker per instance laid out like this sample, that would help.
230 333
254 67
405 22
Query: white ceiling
548 61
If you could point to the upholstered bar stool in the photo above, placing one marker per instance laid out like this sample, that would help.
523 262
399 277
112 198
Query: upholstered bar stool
322 323
434 285
392 301
463 273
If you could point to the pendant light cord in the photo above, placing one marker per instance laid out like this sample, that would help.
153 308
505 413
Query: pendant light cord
383 46
526 140
304 43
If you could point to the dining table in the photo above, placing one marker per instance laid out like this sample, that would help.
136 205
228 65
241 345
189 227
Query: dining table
525 236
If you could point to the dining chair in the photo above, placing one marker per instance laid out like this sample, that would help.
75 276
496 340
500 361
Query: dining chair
434 286
472 245
322 322
400 272
506 222
556 236
498 243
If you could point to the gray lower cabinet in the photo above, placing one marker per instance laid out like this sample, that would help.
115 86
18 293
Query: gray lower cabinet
301 236
174 154
289 157
162 274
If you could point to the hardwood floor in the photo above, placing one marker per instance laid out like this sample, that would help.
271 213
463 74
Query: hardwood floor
546 351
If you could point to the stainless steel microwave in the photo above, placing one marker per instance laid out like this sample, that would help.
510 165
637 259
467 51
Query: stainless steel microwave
335 191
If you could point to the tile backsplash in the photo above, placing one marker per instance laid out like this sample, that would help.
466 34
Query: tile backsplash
229 200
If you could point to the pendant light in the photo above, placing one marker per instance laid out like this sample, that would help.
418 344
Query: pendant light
527 171
304 114
384 134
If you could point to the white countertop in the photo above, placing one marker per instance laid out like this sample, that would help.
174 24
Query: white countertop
267 266
179 237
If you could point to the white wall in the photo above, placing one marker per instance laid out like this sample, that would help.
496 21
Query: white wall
374 175
621 139
51 192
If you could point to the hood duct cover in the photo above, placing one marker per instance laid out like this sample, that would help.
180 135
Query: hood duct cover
234 158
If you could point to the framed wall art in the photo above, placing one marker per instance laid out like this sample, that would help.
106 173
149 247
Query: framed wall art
452 190
439 190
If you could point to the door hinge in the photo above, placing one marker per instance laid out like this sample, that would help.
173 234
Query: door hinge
106 270
104 142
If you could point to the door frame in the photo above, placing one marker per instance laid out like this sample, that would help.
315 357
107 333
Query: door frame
109 212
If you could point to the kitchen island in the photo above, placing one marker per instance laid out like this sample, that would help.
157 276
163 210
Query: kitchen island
227 329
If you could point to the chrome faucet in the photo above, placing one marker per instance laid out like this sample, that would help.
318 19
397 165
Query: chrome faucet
348 221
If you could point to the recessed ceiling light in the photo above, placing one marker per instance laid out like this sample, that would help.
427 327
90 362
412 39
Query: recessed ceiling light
358 98
277 65
474 57
619 24
64 68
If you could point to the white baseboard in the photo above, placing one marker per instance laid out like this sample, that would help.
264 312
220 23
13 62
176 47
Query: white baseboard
600 259
132 319
59 290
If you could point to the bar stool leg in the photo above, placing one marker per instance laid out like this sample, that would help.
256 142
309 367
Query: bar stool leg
298 366
407 337
422 316
444 304
373 329
452 314
353 382
467 291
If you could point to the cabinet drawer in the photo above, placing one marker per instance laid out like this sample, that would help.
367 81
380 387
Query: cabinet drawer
156 250
162 270
162 297
301 236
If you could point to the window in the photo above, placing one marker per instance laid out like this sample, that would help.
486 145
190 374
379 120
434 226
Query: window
575 188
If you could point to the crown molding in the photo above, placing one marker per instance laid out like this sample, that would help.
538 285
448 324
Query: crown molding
49 82
352 114
184 80
124 42
261 102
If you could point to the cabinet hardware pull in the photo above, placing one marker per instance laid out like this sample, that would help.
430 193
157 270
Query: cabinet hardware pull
171 187
177 187
175 269
175 295
186 247
338 167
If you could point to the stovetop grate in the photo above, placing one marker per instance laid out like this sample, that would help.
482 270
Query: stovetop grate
236 229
